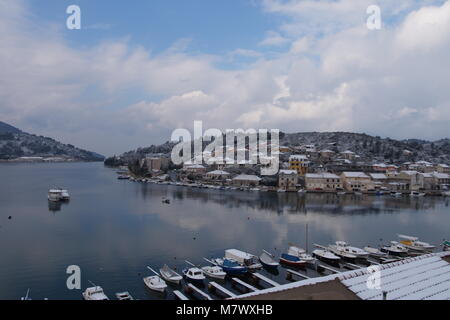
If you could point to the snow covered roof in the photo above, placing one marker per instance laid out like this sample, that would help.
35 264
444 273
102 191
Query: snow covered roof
348 152
378 176
355 175
422 278
298 157
441 175
324 175
247 177
425 277
219 173
288 172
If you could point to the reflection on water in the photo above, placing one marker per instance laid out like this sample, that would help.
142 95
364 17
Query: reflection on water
113 229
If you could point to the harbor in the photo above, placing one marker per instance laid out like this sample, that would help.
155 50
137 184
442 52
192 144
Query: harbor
113 230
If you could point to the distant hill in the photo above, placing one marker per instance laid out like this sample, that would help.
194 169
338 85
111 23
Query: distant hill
369 148
15 143
6 128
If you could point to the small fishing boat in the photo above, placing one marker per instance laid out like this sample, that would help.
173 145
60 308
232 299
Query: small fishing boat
301 191
446 193
170 275
396 194
342 249
281 190
358 193
123 177
123 296
395 249
341 193
416 194
246 259
414 244
194 274
94 293
374 252
268 261
230 266
214 272
326 256
155 282
296 257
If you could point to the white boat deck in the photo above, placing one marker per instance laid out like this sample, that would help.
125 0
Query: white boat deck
221 289
265 279
244 284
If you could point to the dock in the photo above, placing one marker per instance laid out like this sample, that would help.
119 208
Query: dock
328 268
259 276
351 266
190 287
244 284
291 273
213 286
180 296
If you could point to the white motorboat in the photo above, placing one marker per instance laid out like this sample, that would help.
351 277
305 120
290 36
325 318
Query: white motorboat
374 252
27 296
326 256
358 193
281 191
94 293
170 275
396 194
301 191
416 194
155 282
246 259
214 272
413 243
54 195
342 193
123 296
342 249
268 261
395 249
296 257
194 274
446 193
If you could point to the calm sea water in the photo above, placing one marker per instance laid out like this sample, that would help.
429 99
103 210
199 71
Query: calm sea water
113 229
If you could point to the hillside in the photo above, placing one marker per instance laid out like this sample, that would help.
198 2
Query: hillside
368 147
15 143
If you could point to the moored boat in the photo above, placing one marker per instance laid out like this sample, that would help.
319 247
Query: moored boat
413 243
94 293
248 260
194 274
214 272
416 194
155 282
230 266
296 257
170 275
123 296
342 249
326 256
374 252
54 195
395 249
268 261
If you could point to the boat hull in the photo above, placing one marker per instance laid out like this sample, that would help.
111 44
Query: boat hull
292 261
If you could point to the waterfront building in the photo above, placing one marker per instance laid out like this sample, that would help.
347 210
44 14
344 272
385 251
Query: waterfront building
217 175
299 163
245 180
357 181
288 180
325 181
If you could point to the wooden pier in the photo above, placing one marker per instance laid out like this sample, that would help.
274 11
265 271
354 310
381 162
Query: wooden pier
213 286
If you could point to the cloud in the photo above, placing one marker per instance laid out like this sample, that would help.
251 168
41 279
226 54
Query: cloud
332 74
274 39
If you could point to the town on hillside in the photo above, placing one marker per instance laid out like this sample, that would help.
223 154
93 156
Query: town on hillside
304 168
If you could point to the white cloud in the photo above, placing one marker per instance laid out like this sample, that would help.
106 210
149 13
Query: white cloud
391 82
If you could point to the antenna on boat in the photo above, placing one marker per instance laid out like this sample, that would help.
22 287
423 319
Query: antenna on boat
306 237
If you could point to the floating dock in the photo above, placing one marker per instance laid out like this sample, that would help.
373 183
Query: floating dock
190 287
259 276
180 296
291 273
244 284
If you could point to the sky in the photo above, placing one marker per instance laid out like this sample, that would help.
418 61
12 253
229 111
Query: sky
136 71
